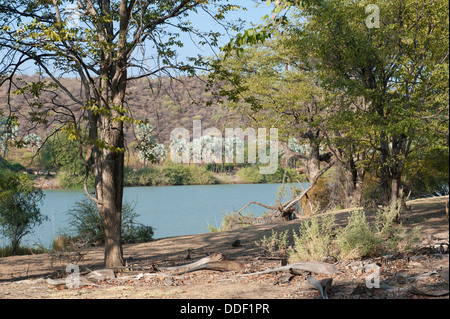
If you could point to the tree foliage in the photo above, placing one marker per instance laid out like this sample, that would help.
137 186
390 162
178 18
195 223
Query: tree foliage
105 44
399 71
19 207
386 82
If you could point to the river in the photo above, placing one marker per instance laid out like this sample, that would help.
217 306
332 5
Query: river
170 210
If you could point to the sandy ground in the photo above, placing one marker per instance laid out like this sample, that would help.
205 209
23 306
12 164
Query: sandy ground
23 277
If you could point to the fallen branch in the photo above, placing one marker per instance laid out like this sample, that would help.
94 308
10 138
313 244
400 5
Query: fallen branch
416 291
268 207
307 266
286 209
208 259
221 265
287 206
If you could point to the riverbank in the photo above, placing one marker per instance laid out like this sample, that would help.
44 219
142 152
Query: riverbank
52 183
398 273
173 175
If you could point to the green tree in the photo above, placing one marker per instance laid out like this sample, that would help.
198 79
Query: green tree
61 155
19 207
101 44
269 86
398 70
387 61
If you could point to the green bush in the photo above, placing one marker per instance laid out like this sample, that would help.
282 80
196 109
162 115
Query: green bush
358 239
147 176
399 239
6 165
314 240
73 180
276 244
317 239
170 174
250 175
178 174
201 176
87 224
19 207
6 251
287 175
232 221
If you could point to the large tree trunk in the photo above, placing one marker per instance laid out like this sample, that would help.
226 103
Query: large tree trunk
111 210
111 187
312 163
354 178
112 178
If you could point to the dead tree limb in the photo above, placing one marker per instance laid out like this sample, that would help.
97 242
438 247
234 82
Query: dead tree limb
288 207
284 211
268 207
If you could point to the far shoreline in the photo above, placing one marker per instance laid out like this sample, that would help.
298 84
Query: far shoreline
45 183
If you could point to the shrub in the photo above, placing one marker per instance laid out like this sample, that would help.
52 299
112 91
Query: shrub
87 224
317 239
147 176
314 240
201 176
61 242
385 219
276 244
232 221
178 174
73 180
6 251
358 239
250 175
399 239
15 167
19 207
136 233
188 175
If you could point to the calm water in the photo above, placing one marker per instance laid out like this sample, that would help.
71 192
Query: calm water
172 210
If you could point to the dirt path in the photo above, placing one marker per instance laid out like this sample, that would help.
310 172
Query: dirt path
397 273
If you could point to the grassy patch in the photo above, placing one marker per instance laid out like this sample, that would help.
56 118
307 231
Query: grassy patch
170 174
22 250
317 239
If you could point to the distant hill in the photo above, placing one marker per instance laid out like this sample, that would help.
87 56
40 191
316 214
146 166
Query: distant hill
167 104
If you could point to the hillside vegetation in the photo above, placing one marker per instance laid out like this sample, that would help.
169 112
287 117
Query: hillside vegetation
166 103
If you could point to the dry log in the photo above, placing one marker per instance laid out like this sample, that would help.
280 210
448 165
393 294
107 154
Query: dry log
416 291
306 266
211 258
221 265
